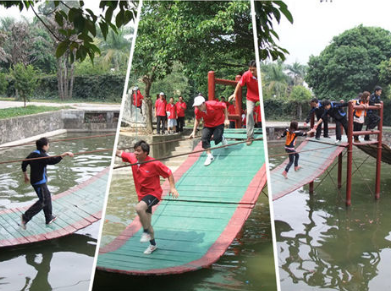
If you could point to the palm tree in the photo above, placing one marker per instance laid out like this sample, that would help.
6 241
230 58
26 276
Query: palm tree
297 71
276 81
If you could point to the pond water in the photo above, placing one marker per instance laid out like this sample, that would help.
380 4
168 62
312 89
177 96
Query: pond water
59 264
248 264
324 245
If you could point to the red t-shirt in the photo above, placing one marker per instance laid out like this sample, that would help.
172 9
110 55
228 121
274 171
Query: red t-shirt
137 97
172 109
231 110
257 110
147 176
180 108
252 86
160 107
214 115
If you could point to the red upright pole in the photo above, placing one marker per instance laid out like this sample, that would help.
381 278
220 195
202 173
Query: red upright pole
211 85
340 171
312 123
238 103
350 156
379 153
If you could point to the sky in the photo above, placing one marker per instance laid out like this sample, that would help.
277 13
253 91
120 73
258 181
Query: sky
315 23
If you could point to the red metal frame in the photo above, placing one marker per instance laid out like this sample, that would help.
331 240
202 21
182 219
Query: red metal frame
212 81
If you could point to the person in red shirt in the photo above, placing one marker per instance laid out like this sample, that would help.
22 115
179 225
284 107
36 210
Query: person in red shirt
172 116
231 110
215 116
160 112
258 116
222 99
147 182
180 109
250 80
138 98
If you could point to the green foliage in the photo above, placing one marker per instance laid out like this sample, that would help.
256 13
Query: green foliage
275 81
28 110
3 83
300 93
25 80
266 12
283 110
350 64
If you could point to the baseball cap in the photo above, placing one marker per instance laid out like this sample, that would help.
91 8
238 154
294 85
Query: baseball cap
198 101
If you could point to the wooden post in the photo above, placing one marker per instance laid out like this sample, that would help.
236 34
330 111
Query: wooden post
379 152
238 104
211 85
350 156
340 171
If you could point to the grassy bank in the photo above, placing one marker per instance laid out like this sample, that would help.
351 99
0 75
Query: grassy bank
30 109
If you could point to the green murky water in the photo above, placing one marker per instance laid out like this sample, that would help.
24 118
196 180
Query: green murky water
248 264
323 245
59 264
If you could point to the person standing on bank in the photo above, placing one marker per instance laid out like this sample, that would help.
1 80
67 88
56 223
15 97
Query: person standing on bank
215 116
373 118
38 180
147 182
172 116
160 112
138 98
180 109
250 80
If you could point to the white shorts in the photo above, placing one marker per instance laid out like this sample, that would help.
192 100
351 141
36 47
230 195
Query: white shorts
171 123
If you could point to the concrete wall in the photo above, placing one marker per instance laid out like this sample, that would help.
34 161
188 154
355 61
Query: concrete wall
17 128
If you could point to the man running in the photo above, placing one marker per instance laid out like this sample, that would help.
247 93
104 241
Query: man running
147 181
38 180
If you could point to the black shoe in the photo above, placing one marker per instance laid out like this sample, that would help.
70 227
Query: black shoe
51 220
317 138
326 136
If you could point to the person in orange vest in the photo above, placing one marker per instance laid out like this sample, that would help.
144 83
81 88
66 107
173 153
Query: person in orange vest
180 109
172 116
138 98
258 116
160 112
360 114
250 80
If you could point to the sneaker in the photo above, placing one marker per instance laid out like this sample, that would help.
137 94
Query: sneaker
317 138
297 168
145 237
209 160
51 220
150 249
249 141
285 174
327 136
224 141
337 141
23 223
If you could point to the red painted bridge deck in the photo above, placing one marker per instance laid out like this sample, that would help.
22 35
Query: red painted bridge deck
75 208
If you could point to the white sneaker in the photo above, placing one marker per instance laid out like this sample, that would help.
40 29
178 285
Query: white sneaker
145 237
224 141
209 160
150 249
337 141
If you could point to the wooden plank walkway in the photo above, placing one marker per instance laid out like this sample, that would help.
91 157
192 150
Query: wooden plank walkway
371 149
75 208
315 157
195 230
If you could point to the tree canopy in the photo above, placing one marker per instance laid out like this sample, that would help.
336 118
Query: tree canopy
350 64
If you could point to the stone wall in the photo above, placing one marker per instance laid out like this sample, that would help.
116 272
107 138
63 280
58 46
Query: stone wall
22 127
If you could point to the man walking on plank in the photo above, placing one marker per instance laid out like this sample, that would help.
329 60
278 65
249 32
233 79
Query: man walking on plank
147 181
215 115
38 180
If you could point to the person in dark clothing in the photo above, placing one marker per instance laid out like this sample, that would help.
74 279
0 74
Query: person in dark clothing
373 118
38 180
291 134
334 110
317 107
360 114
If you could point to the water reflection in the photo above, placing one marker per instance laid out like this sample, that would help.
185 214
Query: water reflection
321 244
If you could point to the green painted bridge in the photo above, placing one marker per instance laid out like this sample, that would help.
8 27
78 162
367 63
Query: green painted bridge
196 229
75 208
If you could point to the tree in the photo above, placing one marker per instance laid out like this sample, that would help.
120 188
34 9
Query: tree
276 81
350 64
297 72
299 95
25 80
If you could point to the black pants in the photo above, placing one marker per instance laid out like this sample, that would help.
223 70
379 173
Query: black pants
293 158
44 202
162 120
357 127
258 124
180 124
325 126
207 133
338 123
372 121
231 124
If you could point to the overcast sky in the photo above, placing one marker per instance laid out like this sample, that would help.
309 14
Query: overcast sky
315 23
